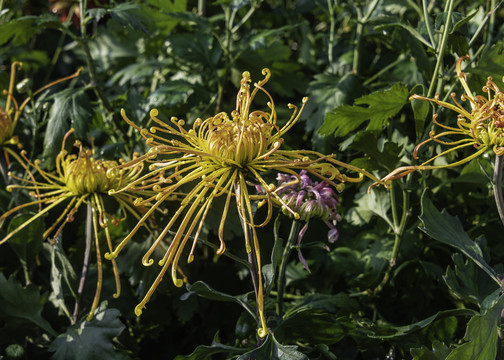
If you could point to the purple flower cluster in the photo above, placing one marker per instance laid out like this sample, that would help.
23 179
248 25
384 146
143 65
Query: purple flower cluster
310 199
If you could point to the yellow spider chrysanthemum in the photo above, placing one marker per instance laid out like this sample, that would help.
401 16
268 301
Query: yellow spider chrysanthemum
481 127
217 157
79 179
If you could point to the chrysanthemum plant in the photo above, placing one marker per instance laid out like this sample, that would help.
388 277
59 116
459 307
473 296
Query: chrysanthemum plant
79 179
226 155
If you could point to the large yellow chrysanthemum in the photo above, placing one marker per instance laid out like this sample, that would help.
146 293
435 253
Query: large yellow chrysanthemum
481 127
79 179
222 156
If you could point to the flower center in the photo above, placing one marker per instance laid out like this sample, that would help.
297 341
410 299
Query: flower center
84 175
237 142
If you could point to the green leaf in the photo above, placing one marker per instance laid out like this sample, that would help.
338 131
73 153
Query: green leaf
439 352
389 332
71 109
21 302
205 352
468 282
314 326
271 349
27 243
481 336
23 29
447 229
381 106
91 340
204 290
377 202
61 270
130 15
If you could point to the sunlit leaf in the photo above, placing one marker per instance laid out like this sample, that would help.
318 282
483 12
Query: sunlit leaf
91 340
381 106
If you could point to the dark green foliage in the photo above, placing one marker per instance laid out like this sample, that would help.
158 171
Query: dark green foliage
405 279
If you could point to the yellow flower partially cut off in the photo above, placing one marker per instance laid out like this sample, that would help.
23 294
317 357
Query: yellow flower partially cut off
78 179
481 127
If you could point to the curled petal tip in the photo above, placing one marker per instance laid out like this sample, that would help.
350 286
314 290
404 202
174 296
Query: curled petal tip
221 249
147 262
110 256
138 310
178 282
262 332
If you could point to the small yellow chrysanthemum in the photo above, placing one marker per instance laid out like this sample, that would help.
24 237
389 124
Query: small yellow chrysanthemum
481 127
221 156
78 179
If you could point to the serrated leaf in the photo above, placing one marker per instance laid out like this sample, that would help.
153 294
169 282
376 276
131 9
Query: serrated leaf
90 340
271 349
377 202
381 106
130 15
468 282
447 229
21 302
71 108
481 336
22 30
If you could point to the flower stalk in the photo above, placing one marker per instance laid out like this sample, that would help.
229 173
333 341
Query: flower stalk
291 241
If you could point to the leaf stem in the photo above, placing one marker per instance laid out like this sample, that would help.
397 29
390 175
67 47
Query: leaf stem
428 24
442 47
85 264
294 232
331 32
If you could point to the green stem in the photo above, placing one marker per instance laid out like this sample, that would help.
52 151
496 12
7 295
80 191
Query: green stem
83 41
444 40
399 59
427 23
361 21
398 229
293 235
497 187
85 263
331 32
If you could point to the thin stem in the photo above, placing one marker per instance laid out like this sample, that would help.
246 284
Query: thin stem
398 234
427 23
361 21
83 41
441 50
497 187
399 59
85 264
331 32
294 232
254 273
